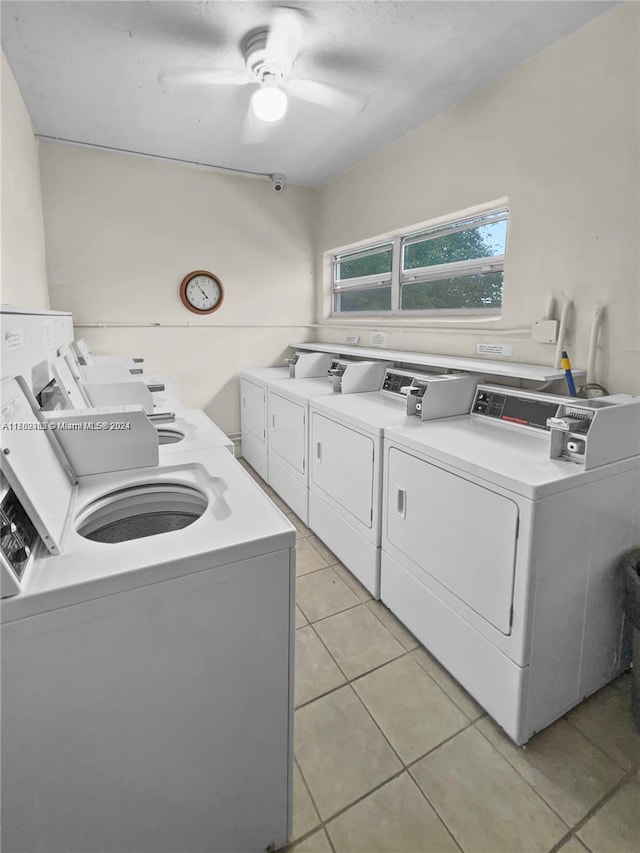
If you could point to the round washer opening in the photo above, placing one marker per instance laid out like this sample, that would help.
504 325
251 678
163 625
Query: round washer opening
166 435
140 511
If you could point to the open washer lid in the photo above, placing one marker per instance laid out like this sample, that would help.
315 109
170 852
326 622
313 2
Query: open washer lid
67 383
33 467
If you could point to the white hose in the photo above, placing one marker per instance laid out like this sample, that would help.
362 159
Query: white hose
593 343
568 302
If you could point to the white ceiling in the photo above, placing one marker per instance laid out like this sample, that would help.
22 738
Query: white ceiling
88 71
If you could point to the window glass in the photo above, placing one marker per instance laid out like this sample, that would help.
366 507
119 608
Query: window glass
363 263
371 299
468 244
455 266
482 290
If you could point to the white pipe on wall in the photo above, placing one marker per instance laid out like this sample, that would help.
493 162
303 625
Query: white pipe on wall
516 330
593 343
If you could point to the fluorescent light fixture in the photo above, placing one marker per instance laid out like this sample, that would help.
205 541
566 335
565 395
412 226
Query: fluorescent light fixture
269 103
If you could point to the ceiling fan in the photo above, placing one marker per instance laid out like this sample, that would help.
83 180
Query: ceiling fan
269 56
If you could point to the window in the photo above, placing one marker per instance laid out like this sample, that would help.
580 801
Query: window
362 279
453 267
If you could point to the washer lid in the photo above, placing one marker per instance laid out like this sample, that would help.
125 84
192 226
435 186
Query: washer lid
32 466
67 383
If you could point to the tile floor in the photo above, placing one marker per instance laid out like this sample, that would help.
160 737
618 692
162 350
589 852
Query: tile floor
392 756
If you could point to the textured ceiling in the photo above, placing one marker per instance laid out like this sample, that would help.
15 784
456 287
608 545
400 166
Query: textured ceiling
88 72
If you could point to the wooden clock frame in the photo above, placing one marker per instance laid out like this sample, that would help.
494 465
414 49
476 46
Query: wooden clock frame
183 291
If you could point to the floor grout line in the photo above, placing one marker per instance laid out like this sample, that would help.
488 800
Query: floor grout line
315 621
595 808
311 797
444 690
572 830
598 746
524 779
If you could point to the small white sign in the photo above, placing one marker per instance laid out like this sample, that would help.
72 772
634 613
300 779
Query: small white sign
14 338
352 339
49 340
379 339
494 349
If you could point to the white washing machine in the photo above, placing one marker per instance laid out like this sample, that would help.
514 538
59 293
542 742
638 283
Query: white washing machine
253 402
191 430
345 459
86 356
287 424
147 654
501 559
101 383
188 430
81 393
30 340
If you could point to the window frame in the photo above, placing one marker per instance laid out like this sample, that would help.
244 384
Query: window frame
497 212
361 282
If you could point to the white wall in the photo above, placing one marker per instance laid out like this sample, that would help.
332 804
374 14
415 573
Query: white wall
123 231
24 275
559 137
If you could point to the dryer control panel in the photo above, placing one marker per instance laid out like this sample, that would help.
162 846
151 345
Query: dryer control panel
518 408
304 365
594 432
399 384
587 433
441 396
18 541
355 377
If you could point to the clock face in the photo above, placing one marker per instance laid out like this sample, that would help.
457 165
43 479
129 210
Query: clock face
201 292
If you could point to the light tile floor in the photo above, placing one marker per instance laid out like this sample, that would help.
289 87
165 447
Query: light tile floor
393 756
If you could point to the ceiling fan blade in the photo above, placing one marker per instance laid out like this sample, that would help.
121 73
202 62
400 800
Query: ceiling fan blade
202 77
253 130
283 38
326 95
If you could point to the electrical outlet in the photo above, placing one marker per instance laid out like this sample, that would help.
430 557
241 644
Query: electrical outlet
352 339
379 339
545 332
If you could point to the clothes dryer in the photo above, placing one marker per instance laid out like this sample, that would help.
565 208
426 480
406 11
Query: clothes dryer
253 402
146 654
501 559
345 459
253 414
288 419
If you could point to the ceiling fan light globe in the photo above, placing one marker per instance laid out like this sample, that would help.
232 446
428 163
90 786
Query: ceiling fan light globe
269 103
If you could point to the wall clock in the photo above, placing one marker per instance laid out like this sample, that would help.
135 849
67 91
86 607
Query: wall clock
201 292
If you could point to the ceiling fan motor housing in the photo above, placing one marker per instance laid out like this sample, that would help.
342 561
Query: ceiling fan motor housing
255 57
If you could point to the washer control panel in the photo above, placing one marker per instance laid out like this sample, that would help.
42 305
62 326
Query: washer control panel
18 539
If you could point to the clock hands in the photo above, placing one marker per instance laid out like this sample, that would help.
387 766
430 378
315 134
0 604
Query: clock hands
202 291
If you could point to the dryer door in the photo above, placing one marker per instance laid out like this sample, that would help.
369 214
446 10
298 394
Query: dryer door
342 466
253 409
462 534
287 430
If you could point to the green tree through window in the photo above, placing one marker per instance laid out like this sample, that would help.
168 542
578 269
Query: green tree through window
476 283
